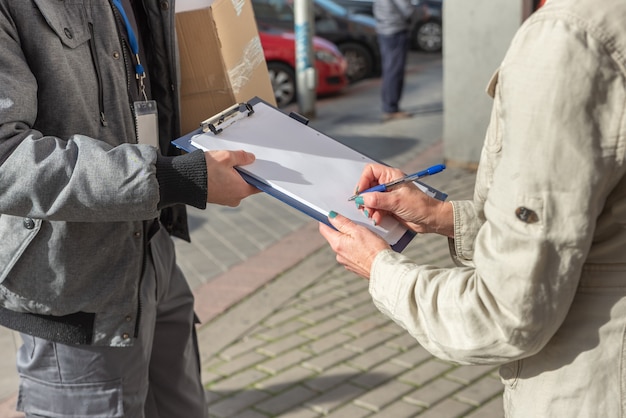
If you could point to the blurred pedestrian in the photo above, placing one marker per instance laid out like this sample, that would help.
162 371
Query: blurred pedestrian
393 21
91 191
540 287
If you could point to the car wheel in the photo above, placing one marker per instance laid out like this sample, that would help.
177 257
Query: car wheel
283 79
429 36
360 62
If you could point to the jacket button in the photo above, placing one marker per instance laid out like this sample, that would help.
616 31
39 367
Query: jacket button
165 5
125 335
137 234
116 55
29 223
526 215
68 33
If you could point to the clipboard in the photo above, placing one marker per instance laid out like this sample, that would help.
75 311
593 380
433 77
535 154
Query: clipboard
295 163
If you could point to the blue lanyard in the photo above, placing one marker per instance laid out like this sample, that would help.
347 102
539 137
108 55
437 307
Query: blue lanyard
140 73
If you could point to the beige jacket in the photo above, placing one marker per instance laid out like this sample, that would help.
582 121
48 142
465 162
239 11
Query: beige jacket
542 285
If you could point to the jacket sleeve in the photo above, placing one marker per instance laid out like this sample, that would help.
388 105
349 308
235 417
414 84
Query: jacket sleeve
558 159
73 177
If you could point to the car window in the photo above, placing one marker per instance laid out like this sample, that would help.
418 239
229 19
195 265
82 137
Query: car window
332 7
273 10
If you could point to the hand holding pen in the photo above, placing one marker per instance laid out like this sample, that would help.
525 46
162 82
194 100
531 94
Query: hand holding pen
402 180
418 211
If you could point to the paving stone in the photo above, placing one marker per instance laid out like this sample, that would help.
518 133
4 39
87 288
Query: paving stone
320 314
331 400
243 362
413 357
299 412
403 341
247 413
213 362
245 345
351 285
229 407
286 401
492 409
319 301
425 372
284 329
393 329
467 374
332 377
365 325
398 409
280 346
350 411
480 391
361 311
433 392
283 315
373 357
367 341
240 380
378 375
326 343
328 359
286 379
283 361
319 288
212 397
355 300
375 400
323 328
448 408
208 377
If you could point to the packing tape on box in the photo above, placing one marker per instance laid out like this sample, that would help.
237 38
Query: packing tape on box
251 58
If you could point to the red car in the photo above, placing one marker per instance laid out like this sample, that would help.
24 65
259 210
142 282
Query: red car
280 54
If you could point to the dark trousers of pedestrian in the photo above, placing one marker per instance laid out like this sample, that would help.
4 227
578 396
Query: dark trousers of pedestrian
393 50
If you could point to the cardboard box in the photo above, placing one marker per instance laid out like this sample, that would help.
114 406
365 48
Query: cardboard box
221 58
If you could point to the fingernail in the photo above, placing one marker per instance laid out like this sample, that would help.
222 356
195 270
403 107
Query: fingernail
332 214
359 200
367 214
375 223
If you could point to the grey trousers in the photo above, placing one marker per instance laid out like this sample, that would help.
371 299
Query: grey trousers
158 377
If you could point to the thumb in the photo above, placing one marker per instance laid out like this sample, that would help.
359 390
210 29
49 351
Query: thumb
242 157
340 222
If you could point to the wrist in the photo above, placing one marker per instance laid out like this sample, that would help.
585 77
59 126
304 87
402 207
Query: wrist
444 220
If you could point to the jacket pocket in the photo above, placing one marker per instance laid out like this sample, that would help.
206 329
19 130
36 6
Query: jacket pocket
17 233
68 21
93 400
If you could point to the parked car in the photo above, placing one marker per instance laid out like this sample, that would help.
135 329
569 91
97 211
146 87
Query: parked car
354 34
280 54
426 33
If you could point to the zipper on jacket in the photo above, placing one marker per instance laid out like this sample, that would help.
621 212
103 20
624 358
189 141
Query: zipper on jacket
94 58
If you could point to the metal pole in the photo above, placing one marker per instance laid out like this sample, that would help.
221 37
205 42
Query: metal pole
306 75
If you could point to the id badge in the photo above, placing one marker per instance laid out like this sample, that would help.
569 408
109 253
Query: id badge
147 122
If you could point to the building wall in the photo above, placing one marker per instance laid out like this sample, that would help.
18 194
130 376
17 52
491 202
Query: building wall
477 34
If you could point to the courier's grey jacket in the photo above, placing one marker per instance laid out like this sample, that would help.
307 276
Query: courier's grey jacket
542 289
75 199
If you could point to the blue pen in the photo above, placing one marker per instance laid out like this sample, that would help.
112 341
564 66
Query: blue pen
406 179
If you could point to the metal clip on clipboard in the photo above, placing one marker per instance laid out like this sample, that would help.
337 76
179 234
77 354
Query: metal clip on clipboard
213 122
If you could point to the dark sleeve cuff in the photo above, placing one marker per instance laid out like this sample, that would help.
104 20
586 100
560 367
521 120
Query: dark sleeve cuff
182 179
